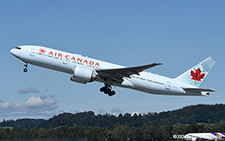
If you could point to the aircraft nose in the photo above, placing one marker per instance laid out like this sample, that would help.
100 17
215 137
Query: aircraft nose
12 51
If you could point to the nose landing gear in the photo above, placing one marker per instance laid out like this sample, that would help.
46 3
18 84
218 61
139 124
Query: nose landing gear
107 89
25 69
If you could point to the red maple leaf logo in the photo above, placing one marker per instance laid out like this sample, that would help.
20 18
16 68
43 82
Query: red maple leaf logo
197 75
41 50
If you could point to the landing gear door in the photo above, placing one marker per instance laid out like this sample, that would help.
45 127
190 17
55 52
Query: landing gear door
32 52
168 85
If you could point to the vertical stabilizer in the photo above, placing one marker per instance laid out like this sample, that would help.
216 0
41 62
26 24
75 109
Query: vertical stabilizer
197 74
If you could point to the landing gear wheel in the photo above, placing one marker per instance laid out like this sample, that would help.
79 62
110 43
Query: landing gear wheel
102 89
107 89
111 93
25 70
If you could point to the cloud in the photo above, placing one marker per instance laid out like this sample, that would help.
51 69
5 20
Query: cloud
81 110
116 111
28 90
101 111
137 113
37 102
33 106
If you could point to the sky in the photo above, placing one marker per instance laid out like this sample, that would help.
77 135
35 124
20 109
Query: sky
179 34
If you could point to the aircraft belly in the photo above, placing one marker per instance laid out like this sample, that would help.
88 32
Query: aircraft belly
127 83
54 67
160 88
149 87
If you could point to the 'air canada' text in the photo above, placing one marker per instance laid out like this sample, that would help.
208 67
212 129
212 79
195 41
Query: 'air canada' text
72 58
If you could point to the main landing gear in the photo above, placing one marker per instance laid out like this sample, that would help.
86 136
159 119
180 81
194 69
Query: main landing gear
25 69
107 89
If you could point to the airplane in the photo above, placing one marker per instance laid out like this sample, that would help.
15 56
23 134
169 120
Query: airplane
204 136
84 69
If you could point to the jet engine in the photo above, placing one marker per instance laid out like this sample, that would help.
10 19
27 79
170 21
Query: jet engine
82 74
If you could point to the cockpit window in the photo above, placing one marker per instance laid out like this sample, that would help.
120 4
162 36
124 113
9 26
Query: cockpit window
18 48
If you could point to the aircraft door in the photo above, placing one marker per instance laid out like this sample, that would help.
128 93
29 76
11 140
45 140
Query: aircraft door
64 61
32 52
168 85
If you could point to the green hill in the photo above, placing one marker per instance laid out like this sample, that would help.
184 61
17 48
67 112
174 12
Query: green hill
186 115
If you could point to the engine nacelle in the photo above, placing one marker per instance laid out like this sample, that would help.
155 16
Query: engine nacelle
82 74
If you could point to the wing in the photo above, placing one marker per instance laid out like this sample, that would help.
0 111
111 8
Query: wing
118 74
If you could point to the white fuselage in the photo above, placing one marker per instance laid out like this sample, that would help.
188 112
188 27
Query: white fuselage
204 136
66 62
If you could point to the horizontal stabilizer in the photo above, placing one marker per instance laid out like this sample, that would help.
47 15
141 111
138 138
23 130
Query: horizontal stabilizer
199 90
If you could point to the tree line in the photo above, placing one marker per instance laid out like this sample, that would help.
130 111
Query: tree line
88 126
148 132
